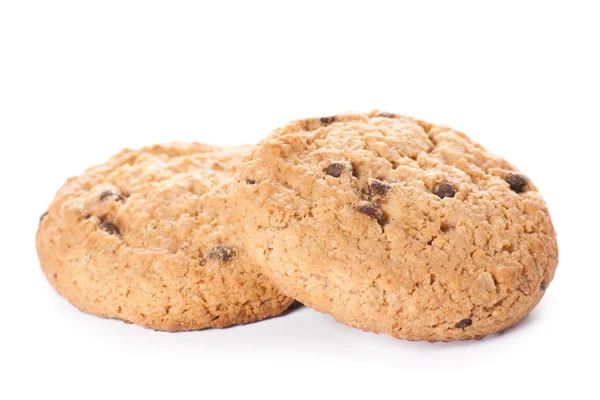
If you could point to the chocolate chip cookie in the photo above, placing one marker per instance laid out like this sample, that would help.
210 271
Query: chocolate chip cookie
396 226
145 238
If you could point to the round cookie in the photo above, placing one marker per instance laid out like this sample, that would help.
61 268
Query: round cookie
144 238
396 226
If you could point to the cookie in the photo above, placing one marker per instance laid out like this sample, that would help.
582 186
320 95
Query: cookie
396 226
144 238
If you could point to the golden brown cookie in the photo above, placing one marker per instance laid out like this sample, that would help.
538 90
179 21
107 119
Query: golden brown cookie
396 226
144 238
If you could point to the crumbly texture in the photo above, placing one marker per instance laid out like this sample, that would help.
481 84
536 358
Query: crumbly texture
396 226
145 238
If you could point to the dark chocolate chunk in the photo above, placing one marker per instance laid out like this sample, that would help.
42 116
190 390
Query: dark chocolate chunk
516 182
445 189
250 181
384 114
463 323
378 188
109 193
371 209
110 228
43 216
327 120
543 285
221 253
337 168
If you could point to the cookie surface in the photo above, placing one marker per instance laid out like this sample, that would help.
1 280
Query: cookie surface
396 226
144 238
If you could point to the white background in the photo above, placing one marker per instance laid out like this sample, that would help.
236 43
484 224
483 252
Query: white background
80 80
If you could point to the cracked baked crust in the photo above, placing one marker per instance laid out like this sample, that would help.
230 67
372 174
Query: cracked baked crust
396 226
144 238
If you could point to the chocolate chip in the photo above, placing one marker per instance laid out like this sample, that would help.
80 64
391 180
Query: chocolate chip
378 188
463 323
221 253
327 120
337 168
250 181
543 285
384 114
43 216
445 189
372 210
516 182
109 193
110 228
